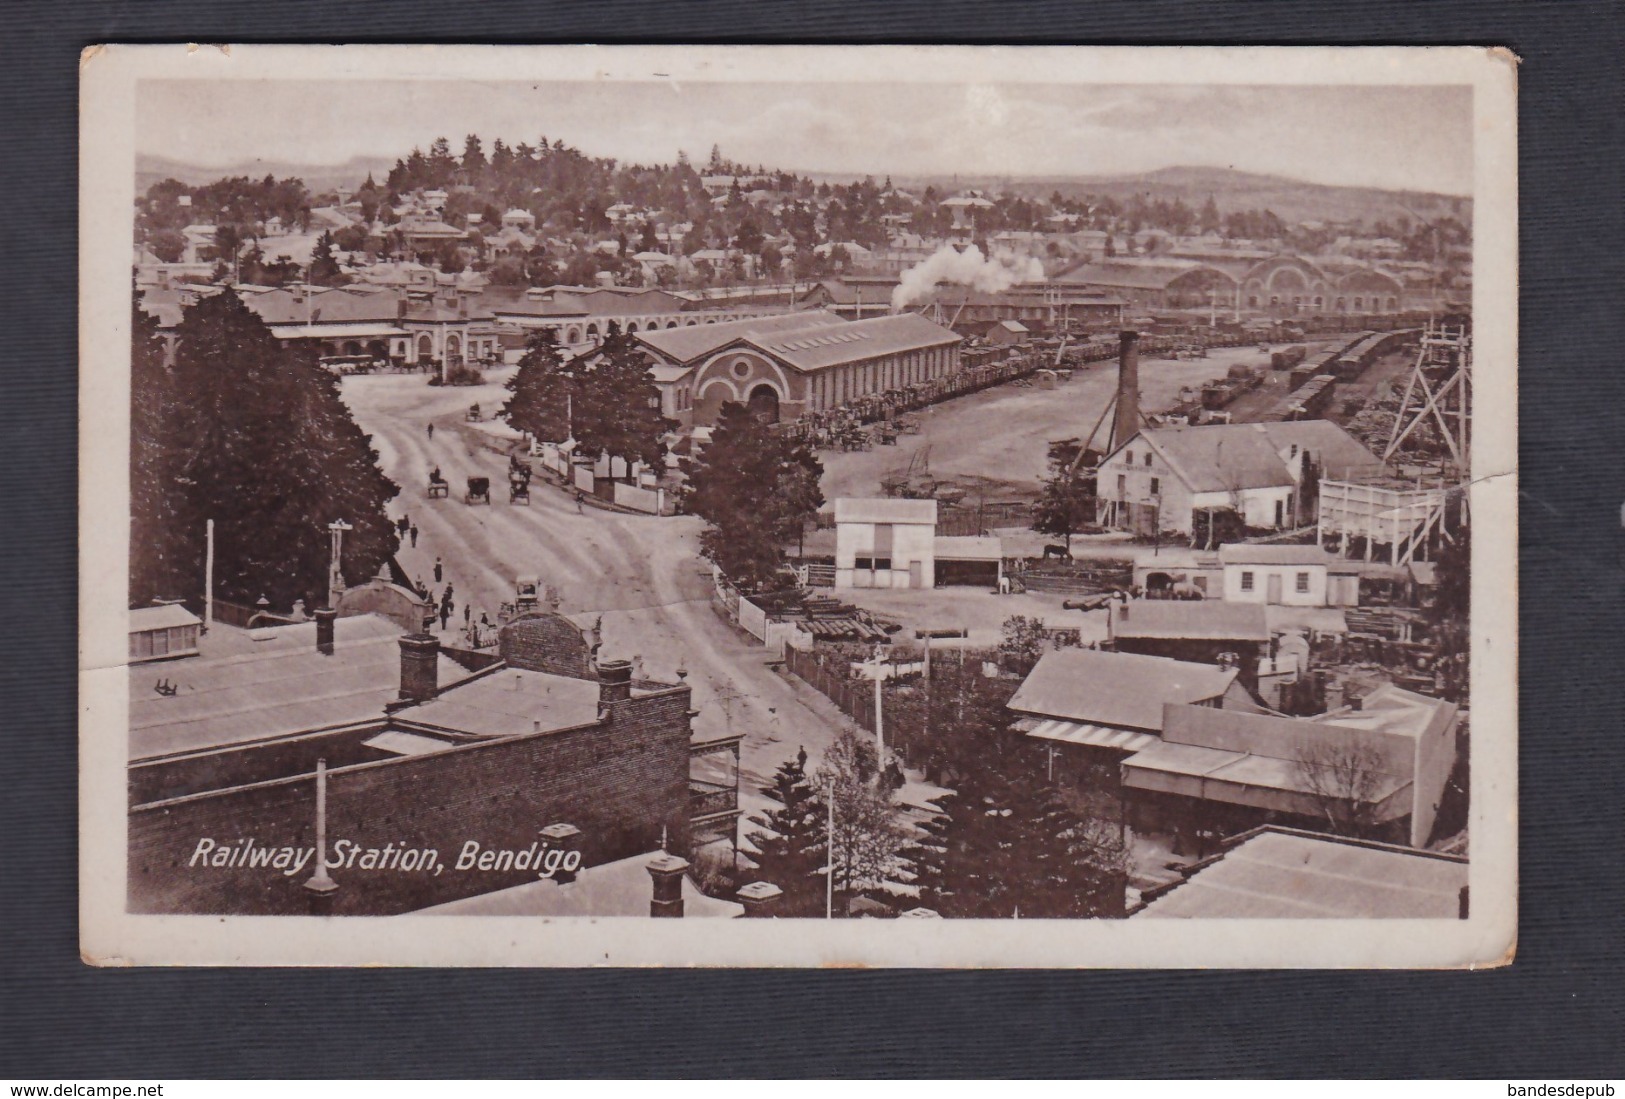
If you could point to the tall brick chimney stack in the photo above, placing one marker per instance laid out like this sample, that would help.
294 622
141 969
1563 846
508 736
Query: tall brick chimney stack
1127 419
614 681
567 838
325 618
761 899
667 872
420 667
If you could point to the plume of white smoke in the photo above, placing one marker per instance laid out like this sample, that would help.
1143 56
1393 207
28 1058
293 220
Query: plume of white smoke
967 268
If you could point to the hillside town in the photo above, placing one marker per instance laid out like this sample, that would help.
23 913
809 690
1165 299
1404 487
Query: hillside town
522 532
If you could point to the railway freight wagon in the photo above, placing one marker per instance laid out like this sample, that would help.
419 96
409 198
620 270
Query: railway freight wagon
1288 357
1358 356
1308 402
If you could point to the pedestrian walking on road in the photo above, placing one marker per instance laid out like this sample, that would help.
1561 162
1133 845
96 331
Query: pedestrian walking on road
468 612
445 614
400 525
579 510
437 576
414 534
431 431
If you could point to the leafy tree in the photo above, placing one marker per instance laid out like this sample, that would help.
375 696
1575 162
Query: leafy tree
789 841
324 265
868 836
755 489
619 405
748 237
167 244
255 437
541 390
450 258
1024 640
1067 502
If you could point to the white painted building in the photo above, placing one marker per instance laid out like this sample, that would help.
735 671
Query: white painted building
1291 576
885 543
1159 478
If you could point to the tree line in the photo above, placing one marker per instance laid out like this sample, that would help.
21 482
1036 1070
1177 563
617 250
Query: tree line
235 428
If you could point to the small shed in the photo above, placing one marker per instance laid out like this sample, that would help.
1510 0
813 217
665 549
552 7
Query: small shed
976 560
882 542
162 633
1008 333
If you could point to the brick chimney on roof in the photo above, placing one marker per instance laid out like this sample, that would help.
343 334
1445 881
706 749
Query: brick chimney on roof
325 619
420 667
667 872
614 681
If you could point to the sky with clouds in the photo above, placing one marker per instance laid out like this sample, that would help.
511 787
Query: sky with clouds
1413 138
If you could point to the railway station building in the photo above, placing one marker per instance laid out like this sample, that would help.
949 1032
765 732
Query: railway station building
788 364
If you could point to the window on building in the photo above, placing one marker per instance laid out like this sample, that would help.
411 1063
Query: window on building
1128 456
1246 581
1294 453
1156 486
1122 486
864 564
1148 459
1303 582
882 563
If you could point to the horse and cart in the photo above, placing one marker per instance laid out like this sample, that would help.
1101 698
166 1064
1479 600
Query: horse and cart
519 474
438 487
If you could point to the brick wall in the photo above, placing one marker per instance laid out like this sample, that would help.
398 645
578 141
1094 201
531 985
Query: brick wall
547 643
241 765
620 781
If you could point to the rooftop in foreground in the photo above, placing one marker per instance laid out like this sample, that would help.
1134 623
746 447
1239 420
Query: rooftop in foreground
1277 873
248 685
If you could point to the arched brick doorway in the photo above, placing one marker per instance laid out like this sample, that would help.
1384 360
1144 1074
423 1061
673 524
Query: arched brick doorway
764 404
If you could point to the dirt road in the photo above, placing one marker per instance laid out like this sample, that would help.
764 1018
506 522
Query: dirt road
642 574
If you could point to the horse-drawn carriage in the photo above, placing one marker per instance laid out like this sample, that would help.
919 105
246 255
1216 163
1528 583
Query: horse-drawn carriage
474 414
479 489
519 474
438 487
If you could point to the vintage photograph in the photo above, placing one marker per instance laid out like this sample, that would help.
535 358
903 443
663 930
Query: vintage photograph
1061 500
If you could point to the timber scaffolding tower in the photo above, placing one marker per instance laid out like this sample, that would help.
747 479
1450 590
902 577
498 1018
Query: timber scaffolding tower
1404 514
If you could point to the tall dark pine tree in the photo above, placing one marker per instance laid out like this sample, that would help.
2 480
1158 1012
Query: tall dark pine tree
754 489
158 567
1067 502
541 390
620 405
791 838
324 265
257 438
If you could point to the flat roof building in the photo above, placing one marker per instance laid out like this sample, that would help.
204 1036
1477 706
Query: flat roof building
1275 873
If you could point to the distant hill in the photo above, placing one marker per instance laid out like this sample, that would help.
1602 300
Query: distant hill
318 177
1291 199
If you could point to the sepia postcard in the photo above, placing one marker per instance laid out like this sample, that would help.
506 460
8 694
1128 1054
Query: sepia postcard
780 506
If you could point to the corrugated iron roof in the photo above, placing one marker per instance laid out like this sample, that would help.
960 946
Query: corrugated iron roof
1287 875
164 617
1181 620
1123 690
690 342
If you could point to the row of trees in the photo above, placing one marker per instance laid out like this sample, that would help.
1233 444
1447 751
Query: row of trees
605 401
254 436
